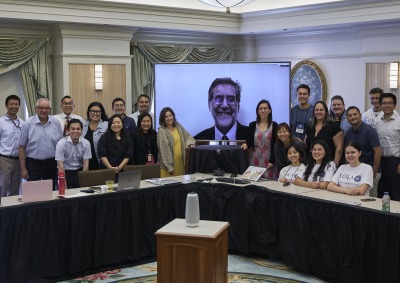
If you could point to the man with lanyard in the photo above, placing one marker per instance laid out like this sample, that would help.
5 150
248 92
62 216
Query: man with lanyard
368 139
388 128
73 153
301 114
37 144
118 107
10 130
67 106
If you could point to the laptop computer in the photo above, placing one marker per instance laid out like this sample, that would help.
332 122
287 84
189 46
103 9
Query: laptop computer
129 180
37 191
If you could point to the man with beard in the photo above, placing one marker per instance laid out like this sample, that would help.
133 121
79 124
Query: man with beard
224 105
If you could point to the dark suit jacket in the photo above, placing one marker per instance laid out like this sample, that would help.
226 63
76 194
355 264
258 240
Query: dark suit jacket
242 133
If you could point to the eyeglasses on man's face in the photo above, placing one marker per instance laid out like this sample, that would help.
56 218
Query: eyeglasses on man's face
387 103
218 99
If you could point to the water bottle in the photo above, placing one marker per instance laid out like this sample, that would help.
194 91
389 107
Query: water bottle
386 202
61 183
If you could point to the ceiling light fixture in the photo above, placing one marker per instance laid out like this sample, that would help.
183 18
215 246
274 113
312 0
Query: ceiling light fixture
228 4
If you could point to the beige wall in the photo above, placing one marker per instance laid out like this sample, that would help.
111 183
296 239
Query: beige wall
81 85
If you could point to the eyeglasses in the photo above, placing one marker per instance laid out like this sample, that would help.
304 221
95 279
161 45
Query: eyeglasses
68 103
95 111
387 103
43 108
119 105
220 98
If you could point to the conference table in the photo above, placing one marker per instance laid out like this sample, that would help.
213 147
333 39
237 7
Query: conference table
305 228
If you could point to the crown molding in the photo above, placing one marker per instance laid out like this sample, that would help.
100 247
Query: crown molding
119 14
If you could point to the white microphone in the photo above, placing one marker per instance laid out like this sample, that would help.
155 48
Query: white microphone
192 215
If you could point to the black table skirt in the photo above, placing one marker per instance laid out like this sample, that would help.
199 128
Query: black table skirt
47 241
204 159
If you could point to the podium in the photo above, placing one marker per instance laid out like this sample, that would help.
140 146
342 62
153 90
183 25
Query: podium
195 255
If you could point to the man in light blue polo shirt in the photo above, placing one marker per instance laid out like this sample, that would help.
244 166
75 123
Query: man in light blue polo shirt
10 130
37 144
73 153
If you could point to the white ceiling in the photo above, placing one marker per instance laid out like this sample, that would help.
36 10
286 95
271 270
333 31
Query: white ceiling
258 5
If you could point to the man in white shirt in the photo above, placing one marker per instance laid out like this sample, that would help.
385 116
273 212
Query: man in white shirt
67 106
73 153
375 112
143 103
388 128
10 130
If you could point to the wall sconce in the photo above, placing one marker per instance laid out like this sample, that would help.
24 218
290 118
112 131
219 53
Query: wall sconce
394 75
98 77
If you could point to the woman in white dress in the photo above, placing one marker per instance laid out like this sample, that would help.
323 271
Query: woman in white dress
295 154
320 169
355 178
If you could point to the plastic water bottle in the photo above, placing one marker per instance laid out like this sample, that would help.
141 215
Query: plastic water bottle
386 202
61 183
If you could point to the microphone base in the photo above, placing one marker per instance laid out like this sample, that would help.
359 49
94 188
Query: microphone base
219 172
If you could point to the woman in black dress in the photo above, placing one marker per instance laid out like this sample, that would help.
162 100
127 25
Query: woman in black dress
115 147
324 128
144 140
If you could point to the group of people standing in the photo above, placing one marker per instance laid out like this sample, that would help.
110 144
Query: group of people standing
36 149
344 151
316 136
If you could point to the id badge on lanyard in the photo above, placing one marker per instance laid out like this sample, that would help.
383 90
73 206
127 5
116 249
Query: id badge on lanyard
300 128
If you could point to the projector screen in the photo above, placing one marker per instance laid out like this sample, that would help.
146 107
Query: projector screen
184 87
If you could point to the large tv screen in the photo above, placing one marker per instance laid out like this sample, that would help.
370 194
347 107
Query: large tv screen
184 87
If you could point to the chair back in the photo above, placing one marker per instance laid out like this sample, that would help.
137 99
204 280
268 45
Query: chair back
148 171
95 177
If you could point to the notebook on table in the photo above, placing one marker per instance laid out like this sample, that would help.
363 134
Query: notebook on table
33 191
129 180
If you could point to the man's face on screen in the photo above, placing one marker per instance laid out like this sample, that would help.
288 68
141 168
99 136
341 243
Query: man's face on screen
224 107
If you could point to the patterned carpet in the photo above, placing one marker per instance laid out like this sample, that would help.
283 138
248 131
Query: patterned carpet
241 269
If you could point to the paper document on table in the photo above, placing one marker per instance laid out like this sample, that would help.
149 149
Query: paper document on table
253 173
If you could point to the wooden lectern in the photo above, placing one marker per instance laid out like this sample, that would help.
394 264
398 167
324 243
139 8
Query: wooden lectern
195 255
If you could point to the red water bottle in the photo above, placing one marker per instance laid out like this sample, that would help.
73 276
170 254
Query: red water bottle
61 183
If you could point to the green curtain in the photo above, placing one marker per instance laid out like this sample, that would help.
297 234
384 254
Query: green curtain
35 78
30 56
145 55
17 51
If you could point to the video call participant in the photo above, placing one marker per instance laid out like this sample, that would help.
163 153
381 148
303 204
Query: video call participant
300 115
10 130
388 128
67 106
37 144
224 105
73 153
143 103
118 107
